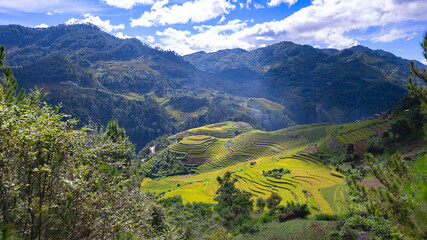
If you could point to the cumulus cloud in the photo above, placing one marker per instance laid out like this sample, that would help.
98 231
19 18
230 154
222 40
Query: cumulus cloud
273 3
122 36
43 25
105 25
208 38
325 22
393 35
194 11
127 4
43 6
149 39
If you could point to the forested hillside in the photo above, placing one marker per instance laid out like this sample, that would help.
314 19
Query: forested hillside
315 84
271 88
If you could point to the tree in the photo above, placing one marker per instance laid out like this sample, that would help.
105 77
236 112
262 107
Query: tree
350 148
273 201
413 87
400 196
401 128
9 84
60 182
260 204
233 205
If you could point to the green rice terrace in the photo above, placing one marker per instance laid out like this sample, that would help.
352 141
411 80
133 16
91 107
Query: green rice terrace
248 153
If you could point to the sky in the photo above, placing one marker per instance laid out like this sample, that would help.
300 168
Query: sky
187 26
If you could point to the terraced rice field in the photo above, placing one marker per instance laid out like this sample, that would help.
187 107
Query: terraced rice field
356 133
307 175
257 144
212 152
337 197
253 152
222 130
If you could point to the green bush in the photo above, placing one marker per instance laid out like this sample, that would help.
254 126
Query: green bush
357 225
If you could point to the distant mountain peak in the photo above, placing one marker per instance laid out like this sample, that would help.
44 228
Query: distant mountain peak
360 48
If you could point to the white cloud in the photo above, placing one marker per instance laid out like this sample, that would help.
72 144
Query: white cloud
394 34
122 36
43 25
127 4
424 61
194 11
96 20
258 6
45 6
56 11
149 39
222 19
273 3
327 23
209 38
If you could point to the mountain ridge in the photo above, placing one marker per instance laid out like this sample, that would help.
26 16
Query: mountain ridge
311 85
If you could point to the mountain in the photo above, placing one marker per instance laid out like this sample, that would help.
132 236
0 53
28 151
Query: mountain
96 76
315 84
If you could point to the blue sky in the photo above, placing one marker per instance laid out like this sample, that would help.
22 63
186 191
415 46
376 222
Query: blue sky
187 26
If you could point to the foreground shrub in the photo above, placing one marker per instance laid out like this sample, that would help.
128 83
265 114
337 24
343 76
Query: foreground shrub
287 216
300 210
356 226
58 182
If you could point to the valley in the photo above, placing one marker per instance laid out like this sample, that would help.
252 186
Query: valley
116 139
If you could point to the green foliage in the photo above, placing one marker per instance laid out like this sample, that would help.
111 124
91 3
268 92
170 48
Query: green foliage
298 210
276 173
414 87
168 163
400 127
244 73
356 226
187 103
143 120
314 231
326 217
233 205
220 234
260 204
58 182
194 220
248 226
376 146
273 201
398 198
8 84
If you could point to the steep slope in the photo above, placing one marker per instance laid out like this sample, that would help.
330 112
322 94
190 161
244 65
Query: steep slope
300 84
315 84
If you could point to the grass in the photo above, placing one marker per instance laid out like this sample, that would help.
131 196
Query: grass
275 228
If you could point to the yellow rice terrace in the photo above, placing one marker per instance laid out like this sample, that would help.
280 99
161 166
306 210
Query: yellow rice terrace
251 154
